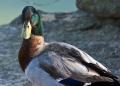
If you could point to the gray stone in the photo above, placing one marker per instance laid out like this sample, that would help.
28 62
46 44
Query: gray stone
100 8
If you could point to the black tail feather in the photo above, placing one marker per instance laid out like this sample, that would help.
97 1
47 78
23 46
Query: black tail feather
72 82
117 83
105 84
101 71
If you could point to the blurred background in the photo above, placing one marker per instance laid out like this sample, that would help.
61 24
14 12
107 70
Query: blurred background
11 9
91 25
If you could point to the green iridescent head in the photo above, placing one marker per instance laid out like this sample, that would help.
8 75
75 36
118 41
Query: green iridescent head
31 22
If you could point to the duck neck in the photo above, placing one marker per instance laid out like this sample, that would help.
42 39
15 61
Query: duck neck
29 49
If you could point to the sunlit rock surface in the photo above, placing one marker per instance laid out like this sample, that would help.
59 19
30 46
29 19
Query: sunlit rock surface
101 8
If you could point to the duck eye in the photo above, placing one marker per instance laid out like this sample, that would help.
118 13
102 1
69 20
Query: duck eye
34 19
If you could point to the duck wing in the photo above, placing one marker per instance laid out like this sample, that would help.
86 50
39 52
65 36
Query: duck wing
91 63
71 60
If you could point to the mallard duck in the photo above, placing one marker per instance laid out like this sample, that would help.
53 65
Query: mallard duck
44 63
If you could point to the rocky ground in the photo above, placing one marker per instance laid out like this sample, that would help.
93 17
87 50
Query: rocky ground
99 37
10 73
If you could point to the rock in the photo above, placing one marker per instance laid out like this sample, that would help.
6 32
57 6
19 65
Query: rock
10 72
82 20
100 8
16 22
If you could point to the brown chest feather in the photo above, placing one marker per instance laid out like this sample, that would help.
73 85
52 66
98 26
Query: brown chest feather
28 50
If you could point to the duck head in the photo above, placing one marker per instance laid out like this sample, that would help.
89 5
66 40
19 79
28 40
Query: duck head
32 24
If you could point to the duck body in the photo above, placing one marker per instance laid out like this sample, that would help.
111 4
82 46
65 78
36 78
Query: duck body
62 60
56 60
